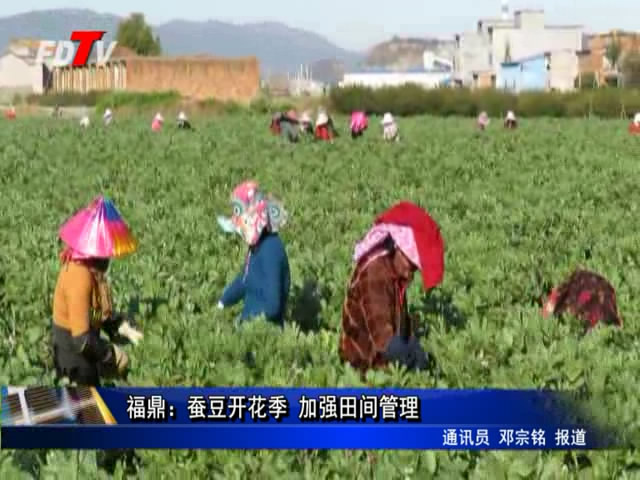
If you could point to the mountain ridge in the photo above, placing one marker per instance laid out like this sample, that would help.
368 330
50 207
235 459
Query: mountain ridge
279 47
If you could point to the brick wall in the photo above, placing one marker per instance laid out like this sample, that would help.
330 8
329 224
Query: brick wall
198 77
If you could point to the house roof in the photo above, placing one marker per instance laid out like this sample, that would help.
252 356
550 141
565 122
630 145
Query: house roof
383 70
525 59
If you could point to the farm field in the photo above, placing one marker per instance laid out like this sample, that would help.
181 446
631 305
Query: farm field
518 211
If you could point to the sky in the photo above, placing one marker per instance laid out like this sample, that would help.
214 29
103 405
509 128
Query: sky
358 24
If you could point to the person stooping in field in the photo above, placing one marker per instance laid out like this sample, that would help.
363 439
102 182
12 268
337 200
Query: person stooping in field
183 121
286 125
325 130
390 131
107 118
483 121
157 122
82 305
359 124
510 121
264 281
586 295
10 114
376 328
306 124
634 126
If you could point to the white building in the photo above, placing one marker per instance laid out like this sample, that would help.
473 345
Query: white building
507 39
435 72
20 74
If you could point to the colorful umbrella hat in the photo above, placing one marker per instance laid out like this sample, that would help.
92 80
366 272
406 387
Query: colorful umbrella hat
99 231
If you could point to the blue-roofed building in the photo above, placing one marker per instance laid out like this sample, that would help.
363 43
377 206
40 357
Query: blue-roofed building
531 73
435 72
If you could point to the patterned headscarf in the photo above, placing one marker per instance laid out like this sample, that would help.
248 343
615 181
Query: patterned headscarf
253 213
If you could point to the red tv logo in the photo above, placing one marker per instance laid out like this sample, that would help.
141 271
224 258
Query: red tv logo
64 52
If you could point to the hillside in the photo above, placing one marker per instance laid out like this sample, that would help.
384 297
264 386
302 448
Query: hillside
278 47
401 53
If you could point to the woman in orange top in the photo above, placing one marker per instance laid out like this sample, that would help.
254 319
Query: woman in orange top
82 304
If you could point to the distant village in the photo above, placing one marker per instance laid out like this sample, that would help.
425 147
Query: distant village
513 51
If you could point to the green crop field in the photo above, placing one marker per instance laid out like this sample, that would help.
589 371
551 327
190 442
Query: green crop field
518 211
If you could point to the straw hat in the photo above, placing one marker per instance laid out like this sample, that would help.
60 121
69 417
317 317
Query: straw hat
511 115
322 119
159 117
387 119
84 121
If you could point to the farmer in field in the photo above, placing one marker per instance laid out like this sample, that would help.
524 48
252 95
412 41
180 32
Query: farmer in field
586 295
82 304
359 123
286 125
264 281
306 124
157 123
183 121
482 121
325 130
84 121
634 127
390 128
510 121
10 114
376 328
107 118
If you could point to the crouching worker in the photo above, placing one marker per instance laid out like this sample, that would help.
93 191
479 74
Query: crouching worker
264 281
634 127
306 124
586 295
510 121
359 123
483 121
325 130
82 305
390 128
183 122
285 125
376 328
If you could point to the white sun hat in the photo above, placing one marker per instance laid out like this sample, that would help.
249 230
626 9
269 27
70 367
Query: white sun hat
84 121
636 119
305 117
182 116
387 119
322 119
511 115
159 117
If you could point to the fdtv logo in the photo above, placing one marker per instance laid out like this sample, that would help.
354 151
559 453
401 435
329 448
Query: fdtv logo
64 51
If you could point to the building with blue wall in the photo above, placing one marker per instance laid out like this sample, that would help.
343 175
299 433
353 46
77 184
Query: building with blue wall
531 73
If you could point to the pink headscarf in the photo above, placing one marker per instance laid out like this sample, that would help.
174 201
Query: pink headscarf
359 121
401 235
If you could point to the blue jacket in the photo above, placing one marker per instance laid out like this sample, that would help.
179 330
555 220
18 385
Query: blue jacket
265 286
